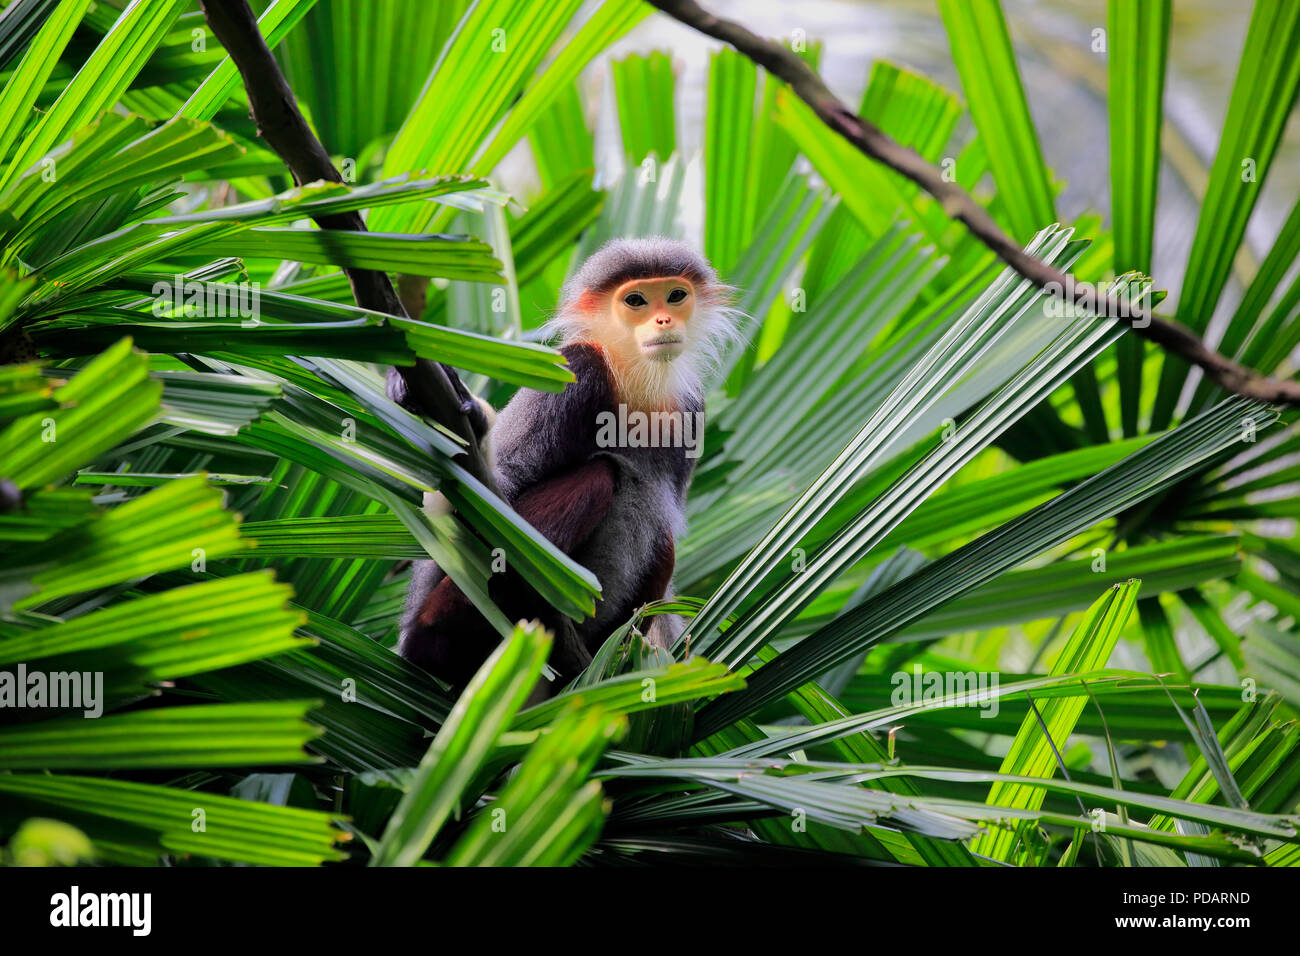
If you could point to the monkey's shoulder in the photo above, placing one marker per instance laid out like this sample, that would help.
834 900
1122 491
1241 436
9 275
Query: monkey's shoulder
591 392
540 434
593 385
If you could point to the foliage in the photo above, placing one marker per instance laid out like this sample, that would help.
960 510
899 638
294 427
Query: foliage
914 471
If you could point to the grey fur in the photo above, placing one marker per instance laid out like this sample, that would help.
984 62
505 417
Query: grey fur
620 260
539 436
649 506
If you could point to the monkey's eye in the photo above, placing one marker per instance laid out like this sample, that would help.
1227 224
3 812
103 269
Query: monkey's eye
635 299
677 295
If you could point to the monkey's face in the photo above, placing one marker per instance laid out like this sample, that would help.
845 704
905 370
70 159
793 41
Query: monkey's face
654 313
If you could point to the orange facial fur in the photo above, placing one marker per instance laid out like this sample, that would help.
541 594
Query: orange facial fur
658 313
642 328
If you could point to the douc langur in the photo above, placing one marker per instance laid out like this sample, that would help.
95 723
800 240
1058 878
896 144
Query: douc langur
601 468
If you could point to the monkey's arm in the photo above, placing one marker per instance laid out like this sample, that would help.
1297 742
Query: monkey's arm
548 468
541 435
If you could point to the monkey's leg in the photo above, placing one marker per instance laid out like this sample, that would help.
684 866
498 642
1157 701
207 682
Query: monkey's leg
448 636
451 639
568 508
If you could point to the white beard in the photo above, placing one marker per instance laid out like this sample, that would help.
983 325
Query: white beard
650 382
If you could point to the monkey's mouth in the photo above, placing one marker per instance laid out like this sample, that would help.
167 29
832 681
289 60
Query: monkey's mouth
665 345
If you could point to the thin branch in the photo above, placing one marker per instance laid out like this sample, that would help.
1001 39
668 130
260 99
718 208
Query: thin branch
958 204
429 388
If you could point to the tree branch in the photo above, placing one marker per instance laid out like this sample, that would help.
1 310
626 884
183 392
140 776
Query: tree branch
430 388
958 204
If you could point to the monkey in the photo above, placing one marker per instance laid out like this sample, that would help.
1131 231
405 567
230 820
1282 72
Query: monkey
640 323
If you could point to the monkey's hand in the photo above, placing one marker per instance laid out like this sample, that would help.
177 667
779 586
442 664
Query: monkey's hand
478 412
482 411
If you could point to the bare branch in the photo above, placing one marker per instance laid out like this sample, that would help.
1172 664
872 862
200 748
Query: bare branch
958 204
430 388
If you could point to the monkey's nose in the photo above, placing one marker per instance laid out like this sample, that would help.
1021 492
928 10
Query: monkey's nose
663 320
